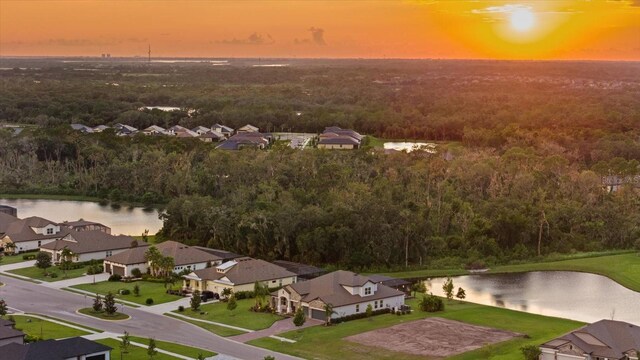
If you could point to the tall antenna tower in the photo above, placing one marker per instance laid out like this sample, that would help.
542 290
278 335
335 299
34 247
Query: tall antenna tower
149 53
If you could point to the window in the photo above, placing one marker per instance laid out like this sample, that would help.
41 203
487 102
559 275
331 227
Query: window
380 303
109 253
49 231
375 304
357 307
367 291
273 281
39 242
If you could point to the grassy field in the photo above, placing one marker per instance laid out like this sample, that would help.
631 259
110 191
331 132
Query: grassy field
134 352
151 239
321 342
216 329
240 317
38 274
45 329
155 291
622 268
175 348
12 259
103 315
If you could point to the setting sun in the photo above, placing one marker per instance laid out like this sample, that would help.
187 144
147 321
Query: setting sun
522 20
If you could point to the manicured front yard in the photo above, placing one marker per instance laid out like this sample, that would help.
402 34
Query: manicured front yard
12 259
216 329
321 342
153 290
45 329
38 274
240 317
622 268
134 352
174 348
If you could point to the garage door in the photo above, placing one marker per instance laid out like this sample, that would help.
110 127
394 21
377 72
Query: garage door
118 270
97 357
317 314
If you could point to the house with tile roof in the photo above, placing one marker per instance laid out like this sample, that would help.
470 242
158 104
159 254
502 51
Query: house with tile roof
238 275
85 225
349 293
185 258
225 130
90 245
602 340
76 348
338 138
20 235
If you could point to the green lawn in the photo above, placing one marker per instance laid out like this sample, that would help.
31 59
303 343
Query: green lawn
153 290
13 259
151 239
321 342
103 315
174 348
622 268
216 329
134 352
38 274
45 329
240 317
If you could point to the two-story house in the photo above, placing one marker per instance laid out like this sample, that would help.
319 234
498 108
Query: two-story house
20 235
348 293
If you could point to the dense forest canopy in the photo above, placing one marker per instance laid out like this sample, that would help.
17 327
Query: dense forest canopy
523 150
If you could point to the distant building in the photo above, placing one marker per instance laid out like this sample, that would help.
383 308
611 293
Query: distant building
225 130
338 138
614 183
84 225
10 210
155 130
82 128
90 245
602 340
125 130
248 128
244 140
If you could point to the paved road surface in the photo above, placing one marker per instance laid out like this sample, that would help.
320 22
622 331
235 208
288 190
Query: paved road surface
30 297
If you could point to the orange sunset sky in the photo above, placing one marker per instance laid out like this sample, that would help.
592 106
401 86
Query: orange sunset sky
571 29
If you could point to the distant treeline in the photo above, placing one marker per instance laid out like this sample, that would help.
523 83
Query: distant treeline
358 209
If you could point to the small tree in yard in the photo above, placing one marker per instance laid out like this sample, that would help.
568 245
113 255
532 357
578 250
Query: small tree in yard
151 349
195 300
124 344
328 311
136 290
431 303
232 305
110 304
461 294
369 311
447 287
97 303
418 287
67 260
531 352
226 292
43 261
3 308
299 319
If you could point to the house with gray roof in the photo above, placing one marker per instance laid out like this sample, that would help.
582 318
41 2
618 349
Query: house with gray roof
85 225
349 293
247 139
338 138
239 275
602 340
20 235
75 348
225 130
9 335
90 245
184 257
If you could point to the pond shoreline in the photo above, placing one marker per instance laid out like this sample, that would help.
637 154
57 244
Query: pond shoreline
13 196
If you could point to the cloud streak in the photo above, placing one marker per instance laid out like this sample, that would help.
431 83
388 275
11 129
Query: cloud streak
253 39
317 37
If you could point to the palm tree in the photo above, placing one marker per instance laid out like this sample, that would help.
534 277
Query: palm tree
66 258
328 311
10 246
152 256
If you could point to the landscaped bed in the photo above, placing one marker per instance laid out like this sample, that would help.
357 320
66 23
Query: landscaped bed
320 342
148 290
45 329
241 317
38 274
103 315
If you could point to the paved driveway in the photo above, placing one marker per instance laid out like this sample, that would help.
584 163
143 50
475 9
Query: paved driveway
34 298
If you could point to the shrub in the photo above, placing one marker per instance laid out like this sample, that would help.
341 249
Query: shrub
359 316
136 290
181 308
53 275
299 318
115 277
29 257
149 301
431 303
136 273
124 292
531 352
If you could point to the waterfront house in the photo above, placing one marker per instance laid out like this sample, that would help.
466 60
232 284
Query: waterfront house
84 225
347 292
90 245
238 275
28 234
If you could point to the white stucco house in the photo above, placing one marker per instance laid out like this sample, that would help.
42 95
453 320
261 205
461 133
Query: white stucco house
28 234
347 292
185 258
90 245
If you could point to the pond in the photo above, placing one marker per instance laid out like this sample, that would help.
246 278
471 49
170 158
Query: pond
410 146
566 294
121 220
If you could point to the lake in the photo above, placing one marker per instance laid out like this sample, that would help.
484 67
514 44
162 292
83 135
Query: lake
410 146
123 220
566 294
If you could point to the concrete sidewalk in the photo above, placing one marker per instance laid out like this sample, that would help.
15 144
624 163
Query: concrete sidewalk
212 323
278 327
169 306
20 265
85 279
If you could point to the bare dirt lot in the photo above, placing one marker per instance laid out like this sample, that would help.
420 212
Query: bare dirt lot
433 337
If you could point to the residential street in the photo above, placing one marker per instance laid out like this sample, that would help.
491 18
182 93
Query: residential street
35 298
